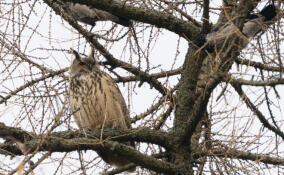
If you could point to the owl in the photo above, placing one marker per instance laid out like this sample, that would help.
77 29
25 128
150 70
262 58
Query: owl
96 102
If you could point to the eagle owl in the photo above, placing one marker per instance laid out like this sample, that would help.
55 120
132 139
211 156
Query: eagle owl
97 102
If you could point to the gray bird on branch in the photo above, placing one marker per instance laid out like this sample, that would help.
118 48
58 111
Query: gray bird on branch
254 24
90 16
97 103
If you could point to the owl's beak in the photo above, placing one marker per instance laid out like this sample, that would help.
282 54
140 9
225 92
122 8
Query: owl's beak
90 68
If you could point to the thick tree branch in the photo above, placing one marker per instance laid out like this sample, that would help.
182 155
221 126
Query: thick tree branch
205 17
70 141
132 165
56 144
186 95
139 135
159 19
141 159
16 133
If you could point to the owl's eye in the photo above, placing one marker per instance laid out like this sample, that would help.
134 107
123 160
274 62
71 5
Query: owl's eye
82 63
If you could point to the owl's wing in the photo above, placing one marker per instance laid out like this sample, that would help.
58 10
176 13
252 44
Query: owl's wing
124 109
117 95
122 103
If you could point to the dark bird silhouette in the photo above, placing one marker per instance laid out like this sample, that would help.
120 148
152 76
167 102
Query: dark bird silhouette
97 102
90 16
253 25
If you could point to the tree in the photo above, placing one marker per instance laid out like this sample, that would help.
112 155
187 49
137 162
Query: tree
217 112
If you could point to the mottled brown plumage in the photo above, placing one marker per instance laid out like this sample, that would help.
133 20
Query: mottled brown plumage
97 102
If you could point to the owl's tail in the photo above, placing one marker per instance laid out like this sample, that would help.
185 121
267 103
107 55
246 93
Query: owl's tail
115 159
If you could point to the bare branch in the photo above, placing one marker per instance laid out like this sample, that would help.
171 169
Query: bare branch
254 109
258 65
274 82
161 74
237 154
31 83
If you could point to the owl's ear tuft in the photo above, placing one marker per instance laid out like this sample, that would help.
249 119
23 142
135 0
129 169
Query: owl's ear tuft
92 53
92 57
76 54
